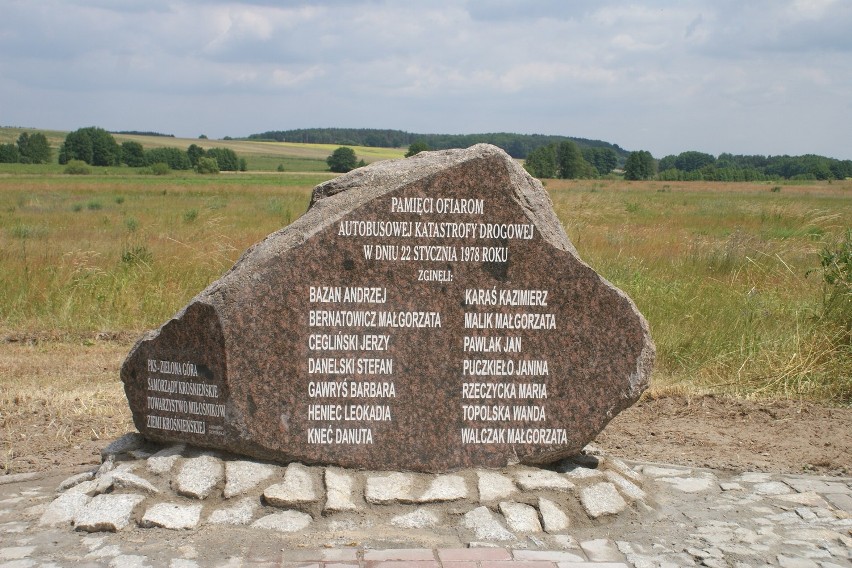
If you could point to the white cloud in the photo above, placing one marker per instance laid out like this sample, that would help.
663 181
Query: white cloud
629 43
289 78
231 25
812 9
537 75
663 75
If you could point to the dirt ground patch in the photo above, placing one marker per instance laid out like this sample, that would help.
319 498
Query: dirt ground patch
60 403
729 434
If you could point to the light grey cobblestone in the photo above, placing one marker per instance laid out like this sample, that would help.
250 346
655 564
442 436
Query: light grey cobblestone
300 486
627 488
486 526
63 509
164 460
772 488
602 499
520 517
286 521
126 443
173 516
553 517
131 481
842 501
107 512
494 486
695 484
339 491
243 475
199 476
70 482
389 488
760 520
240 513
417 519
445 488
542 479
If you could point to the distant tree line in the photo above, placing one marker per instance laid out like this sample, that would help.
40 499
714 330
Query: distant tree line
567 160
143 133
29 149
549 156
545 156
97 147
516 145
694 165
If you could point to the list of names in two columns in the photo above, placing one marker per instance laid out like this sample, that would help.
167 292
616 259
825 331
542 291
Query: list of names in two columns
502 386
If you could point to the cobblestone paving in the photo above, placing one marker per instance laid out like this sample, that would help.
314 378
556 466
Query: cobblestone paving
672 516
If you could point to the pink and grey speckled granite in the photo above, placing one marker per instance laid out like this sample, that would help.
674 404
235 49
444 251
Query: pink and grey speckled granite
237 372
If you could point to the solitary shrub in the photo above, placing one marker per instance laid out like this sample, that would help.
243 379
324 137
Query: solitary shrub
416 148
138 254
836 264
190 215
342 160
207 166
78 168
22 232
157 169
160 169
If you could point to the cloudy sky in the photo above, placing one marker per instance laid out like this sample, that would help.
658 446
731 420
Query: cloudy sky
741 76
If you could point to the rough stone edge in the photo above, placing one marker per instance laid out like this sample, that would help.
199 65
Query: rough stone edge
332 200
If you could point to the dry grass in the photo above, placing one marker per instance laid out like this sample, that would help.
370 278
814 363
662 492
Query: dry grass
719 270
57 397
115 254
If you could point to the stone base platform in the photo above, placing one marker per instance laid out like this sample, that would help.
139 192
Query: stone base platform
140 486
183 507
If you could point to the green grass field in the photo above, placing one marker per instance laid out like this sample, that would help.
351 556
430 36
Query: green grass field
260 156
719 270
721 273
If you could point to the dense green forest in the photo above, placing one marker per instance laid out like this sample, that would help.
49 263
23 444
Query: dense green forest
516 145
568 160
692 165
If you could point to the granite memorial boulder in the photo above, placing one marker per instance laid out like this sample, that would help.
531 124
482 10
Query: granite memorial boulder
424 314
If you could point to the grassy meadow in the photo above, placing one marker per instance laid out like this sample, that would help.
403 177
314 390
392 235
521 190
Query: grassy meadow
728 274
719 270
87 263
82 254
